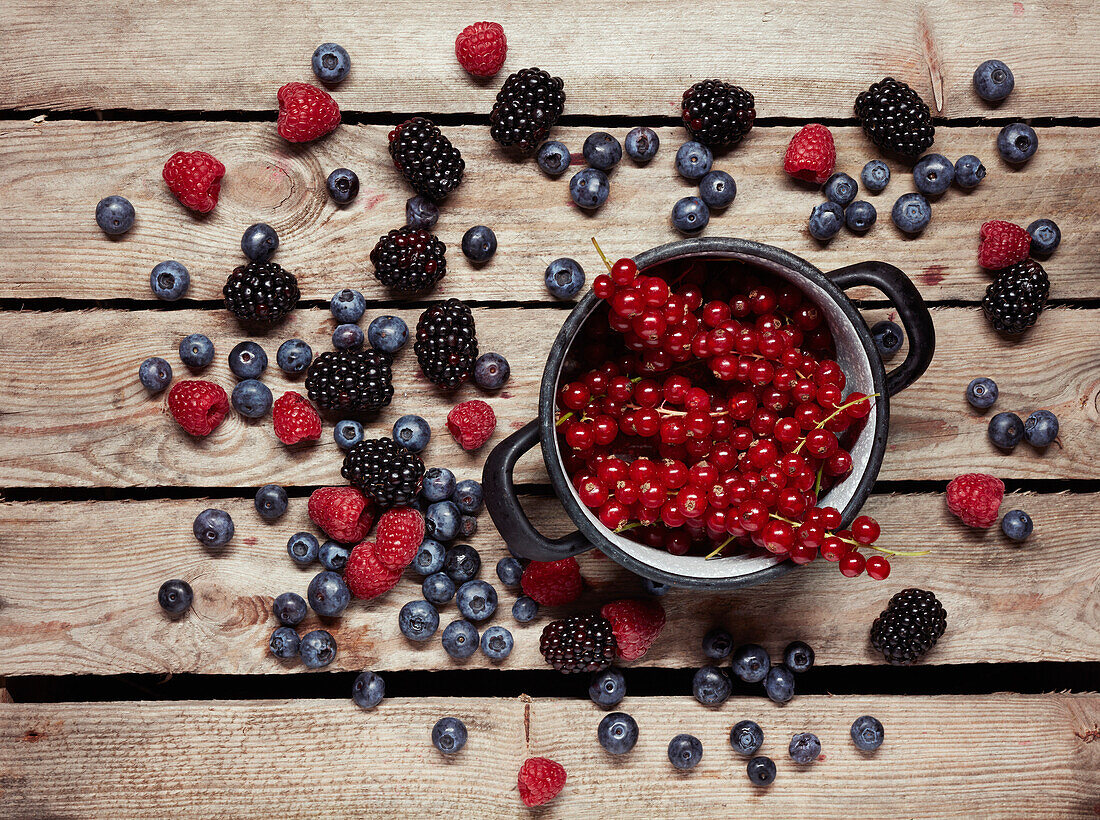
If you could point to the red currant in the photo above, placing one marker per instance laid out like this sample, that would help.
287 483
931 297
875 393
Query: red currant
833 549
603 287
778 536
878 567
803 553
852 564
592 492
623 272
865 530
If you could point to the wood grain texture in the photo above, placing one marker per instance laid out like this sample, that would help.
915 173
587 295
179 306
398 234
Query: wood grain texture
71 55
59 171
996 756
81 418
1005 603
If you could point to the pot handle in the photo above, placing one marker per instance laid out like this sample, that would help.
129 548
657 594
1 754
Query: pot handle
912 311
511 521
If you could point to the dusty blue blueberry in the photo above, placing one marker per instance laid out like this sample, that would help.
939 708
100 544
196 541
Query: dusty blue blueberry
553 158
331 63
860 216
247 360
933 174
259 241
169 280
468 496
289 608
449 735
690 214
342 185
841 189
114 215
993 80
388 333
460 639
438 588
347 433
1045 237
981 392
175 597
867 733
479 244
476 600
155 374
418 620
589 188
711 686
746 737
655 588
368 690
462 562
251 398
969 171
798 657
779 684
750 663
348 337
429 557
421 212
303 548
271 502
617 733
467 525
826 220
601 150
497 643
1006 430
1017 525
213 528
717 644
804 748
685 751
327 594
761 771
491 371
317 649
525 609
196 351
333 556
347 306
412 432
717 189
911 213
875 176
1017 143
607 688
509 571
693 160
1041 428
564 278
642 144
284 643
294 356
888 338
441 521
439 484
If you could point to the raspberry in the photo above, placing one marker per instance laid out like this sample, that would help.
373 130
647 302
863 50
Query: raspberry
976 499
400 532
295 419
636 625
306 112
471 423
481 48
1002 244
552 583
195 178
198 406
540 780
811 154
365 575
344 513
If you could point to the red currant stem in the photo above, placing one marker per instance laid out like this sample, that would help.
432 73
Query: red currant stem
626 527
817 484
830 417
563 418
599 250
717 552
893 552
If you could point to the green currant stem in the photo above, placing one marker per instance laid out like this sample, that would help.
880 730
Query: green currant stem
832 416
599 250
817 484
626 527
568 415
717 552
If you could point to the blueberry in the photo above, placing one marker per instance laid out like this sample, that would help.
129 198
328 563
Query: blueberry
693 160
196 351
294 356
589 188
247 360
388 333
114 215
429 557
289 608
342 185
685 751
1045 237
169 280
327 594
761 771
175 597
933 174
717 644
1017 525
259 241
867 733
911 213
509 571
564 278
441 521
875 176
412 432
461 562
750 663
826 220
303 548
333 556
479 244
969 171
331 63
449 735
525 609
617 733
746 737
251 398
1041 428
993 80
553 158
1006 430
888 338
497 643
439 484
601 150
438 588
155 374
798 657
347 433
467 525
468 496
860 216
779 685
804 748
690 214
606 688
655 588
460 639
271 502
642 144
318 648
368 690
491 371
213 528
348 337
711 686
284 643
981 392
421 213
1017 142
476 600
347 306
418 620
717 189
840 188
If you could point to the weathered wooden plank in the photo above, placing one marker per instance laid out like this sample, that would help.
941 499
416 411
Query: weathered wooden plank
104 562
52 175
79 417
992 756
163 56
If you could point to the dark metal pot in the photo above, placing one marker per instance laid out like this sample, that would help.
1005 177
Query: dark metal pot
856 354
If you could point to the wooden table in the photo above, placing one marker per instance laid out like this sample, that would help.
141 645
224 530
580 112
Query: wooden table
112 710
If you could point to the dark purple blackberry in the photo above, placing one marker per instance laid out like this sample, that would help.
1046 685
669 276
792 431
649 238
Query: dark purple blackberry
582 643
895 118
717 113
384 470
527 106
409 260
909 626
1016 297
446 343
261 292
426 158
350 381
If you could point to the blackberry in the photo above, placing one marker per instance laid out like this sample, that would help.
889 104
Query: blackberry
384 470
909 626
581 643
409 260
426 158
717 113
446 343
895 118
1016 297
527 106
261 292
350 381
